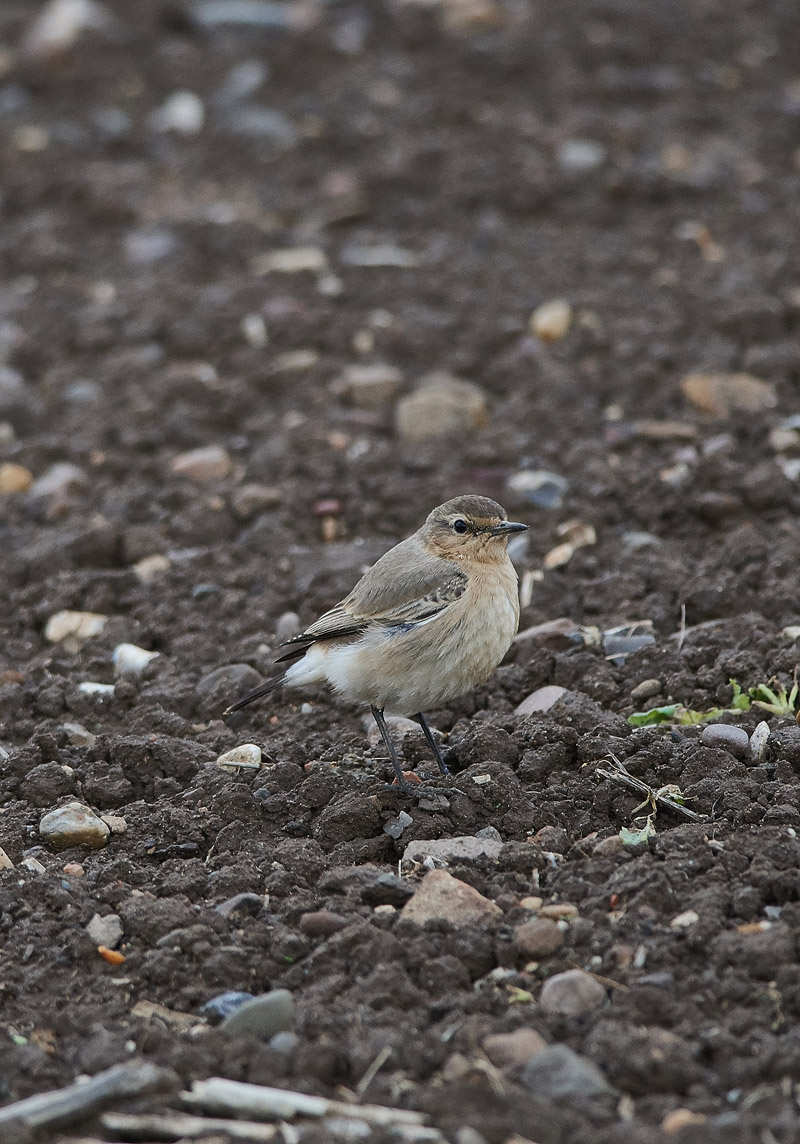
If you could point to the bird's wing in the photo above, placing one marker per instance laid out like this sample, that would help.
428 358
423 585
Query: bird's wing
406 586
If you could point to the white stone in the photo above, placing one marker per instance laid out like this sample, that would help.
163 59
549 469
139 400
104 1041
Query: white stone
77 627
371 385
89 687
115 823
445 850
291 260
59 480
127 657
60 23
73 824
254 329
247 756
685 920
757 747
444 898
551 320
441 406
183 111
78 735
208 463
581 155
149 567
541 700
105 930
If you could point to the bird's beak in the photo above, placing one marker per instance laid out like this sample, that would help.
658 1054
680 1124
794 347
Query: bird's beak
508 526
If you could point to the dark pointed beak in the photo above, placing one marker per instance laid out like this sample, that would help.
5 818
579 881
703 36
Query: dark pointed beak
506 527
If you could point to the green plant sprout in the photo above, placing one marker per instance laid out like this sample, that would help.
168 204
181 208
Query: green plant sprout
774 699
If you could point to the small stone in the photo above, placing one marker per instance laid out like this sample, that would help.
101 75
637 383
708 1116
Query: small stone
371 385
244 13
539 487
34 865
685 920
249 500
77 734
646 689
90 687
262 1017
105 930
509 1050
571 994
552 320
73 824
732 739
608 847
560 911
441 405
532 903
284 1043
291 261
5 861
322 923
225 684
115 823
74 870
182 112
59 481
383 254
74 628
149 244
757 747
679 1119
246 903
130 659
579 156
445 850
254 329
559 1074
223 1005
472 17
541 700
618 647
14 479
398 727
395 827
442 897
721 394
149 567
538 938
288 625
209 463
247 757
59 25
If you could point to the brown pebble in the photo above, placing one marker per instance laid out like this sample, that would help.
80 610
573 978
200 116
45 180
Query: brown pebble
559 910
74 870
322 923
507 1050
571 994
538 938
608 847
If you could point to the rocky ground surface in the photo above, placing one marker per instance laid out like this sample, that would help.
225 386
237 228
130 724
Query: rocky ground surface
273 285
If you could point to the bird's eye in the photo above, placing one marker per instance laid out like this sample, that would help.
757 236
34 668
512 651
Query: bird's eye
460 525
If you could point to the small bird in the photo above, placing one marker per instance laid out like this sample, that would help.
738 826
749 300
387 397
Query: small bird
427 622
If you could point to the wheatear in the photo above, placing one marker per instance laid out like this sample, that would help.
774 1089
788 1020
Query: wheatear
430 620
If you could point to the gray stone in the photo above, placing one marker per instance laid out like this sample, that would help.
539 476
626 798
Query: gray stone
227 683
541 700
60 480
646 689
244 903
571 994
249 500
105 930
508 1050
262 1017
73 824
223 1005
539 487
77 734
371 385
208 463
732 739
538 938
579 156
563 1076
441 897
451 849
441 406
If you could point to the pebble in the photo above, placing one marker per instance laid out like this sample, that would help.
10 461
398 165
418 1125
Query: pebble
265 123
728 738
559 1074
646 689
90 687
441 405
59 25
34 865
442 897
538 938
128 658
395 827
244 903
571 994
559 911
608 847
227 683
149 567
106 930
287 626
74 628
551 321
541 700
262 1016
370 385
398 727
451 849
383 254
619 647
254 329
292 260
73 824
532 903
5 861
249 500
244 79
509 1050
243 13
322 923
759 740
579 156
685 920
14 479
209 463
149 244
539 487
675 1121
721 394
60 480
182 112
223 1005
74 870
247 756
77 734
115 823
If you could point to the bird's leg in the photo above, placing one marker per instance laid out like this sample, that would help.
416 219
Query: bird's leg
434 746
377 713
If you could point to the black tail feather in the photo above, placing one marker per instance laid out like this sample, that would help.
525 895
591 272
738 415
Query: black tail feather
251 696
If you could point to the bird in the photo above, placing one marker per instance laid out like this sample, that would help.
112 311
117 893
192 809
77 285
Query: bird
429 621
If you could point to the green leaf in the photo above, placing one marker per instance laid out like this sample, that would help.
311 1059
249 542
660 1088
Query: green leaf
517 996
637 837
655 715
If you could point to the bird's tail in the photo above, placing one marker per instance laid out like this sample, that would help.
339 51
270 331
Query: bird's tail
251 696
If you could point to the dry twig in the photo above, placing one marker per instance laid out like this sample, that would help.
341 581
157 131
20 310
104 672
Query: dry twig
620 775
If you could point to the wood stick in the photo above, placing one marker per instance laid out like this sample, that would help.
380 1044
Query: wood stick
82 1098
261 1103
182 1126
624 778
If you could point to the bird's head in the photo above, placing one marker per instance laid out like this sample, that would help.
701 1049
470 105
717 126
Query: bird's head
469 528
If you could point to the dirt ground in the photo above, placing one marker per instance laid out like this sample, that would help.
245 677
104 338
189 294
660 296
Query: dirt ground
638 159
